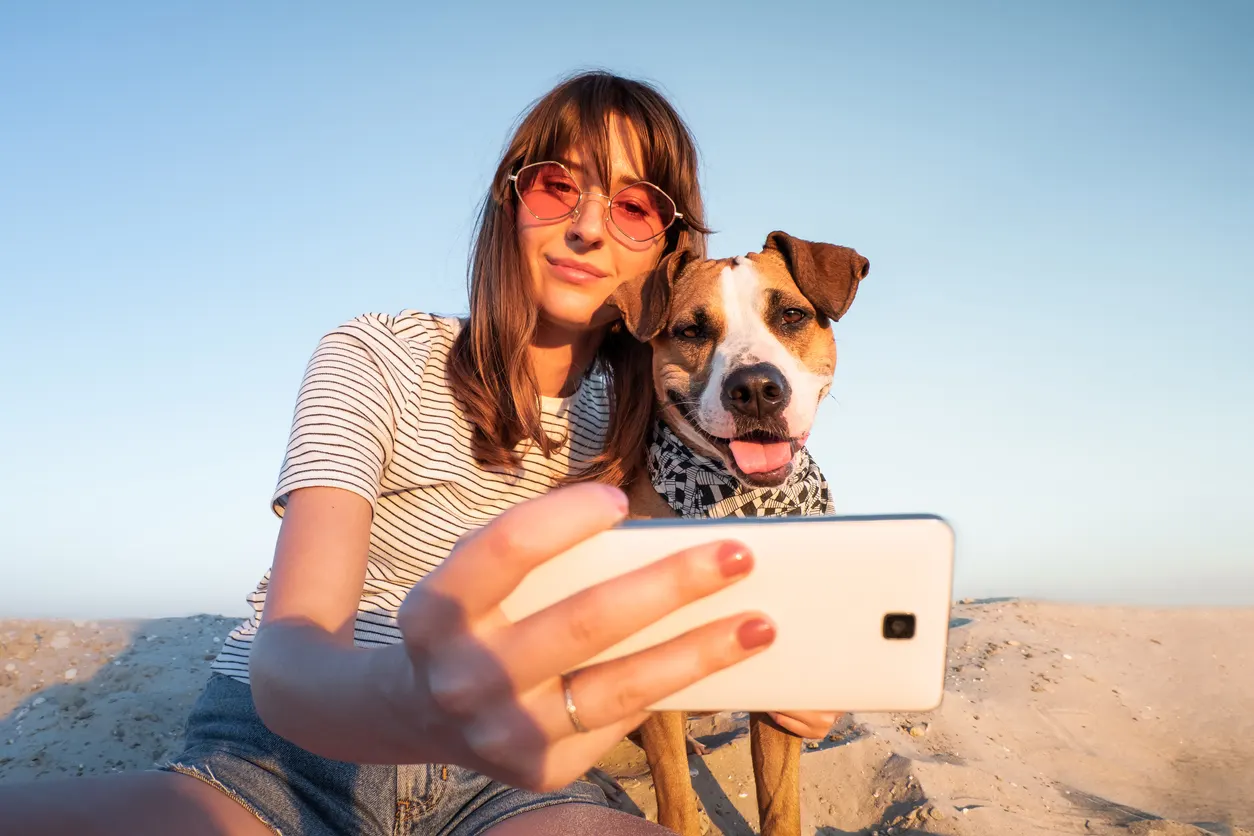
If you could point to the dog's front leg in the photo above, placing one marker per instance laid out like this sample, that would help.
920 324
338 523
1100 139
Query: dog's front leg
665 742
777 777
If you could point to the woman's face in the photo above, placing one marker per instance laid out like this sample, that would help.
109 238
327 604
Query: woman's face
577 262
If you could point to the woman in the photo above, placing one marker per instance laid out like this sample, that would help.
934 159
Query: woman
427 449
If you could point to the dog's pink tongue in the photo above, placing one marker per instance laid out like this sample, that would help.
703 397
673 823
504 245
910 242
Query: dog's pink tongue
756 457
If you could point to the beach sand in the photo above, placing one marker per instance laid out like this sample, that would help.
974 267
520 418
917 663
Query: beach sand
1056 719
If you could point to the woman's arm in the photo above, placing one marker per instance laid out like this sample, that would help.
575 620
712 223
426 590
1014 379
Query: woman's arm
310 684
467 686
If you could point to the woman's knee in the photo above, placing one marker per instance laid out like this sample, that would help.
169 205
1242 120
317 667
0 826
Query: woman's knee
125 804
574 818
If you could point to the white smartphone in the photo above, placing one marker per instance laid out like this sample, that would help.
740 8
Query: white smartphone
861 607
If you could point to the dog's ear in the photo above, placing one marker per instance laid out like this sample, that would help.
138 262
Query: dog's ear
828 275
645 301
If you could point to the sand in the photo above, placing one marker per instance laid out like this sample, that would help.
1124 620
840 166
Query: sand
1056 719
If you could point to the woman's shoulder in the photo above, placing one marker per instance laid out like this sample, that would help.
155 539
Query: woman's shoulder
405 326
408 336
404 352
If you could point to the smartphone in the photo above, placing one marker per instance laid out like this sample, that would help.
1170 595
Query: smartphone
861 606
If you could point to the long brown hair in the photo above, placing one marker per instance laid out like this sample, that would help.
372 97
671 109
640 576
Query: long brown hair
489 371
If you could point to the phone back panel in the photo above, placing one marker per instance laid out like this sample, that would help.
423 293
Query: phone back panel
826 582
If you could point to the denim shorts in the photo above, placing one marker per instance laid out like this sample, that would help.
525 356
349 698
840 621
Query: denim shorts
296 793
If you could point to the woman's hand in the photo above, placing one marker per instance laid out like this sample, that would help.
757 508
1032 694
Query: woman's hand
487 693
811 724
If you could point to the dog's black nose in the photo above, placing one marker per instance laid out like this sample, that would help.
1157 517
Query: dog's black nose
758 391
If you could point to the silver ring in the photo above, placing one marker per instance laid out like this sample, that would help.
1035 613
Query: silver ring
570 705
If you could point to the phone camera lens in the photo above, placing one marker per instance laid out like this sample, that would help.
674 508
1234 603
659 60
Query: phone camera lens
899 625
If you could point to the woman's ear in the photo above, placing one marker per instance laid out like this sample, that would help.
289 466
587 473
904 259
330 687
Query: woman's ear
645 301
828 275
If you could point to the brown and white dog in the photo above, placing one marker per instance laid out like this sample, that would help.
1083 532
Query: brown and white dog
743 353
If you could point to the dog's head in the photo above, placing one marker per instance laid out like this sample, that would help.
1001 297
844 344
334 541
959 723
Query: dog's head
743 349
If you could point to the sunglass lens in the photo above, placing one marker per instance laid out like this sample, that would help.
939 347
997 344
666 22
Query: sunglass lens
642 211
547 190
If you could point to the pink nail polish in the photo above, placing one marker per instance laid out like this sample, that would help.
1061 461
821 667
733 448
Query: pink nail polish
755 633
734 559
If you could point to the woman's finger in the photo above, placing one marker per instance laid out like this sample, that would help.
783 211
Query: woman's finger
572 756
576 629
565 760
488 564
607 693
811 724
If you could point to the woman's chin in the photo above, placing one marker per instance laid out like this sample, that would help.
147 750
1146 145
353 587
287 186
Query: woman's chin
580 317
568 321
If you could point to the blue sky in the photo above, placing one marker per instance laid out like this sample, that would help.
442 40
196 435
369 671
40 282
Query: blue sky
1053 348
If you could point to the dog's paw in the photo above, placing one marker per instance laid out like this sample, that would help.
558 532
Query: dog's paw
696 747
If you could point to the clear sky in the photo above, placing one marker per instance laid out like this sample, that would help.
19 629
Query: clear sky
1054 348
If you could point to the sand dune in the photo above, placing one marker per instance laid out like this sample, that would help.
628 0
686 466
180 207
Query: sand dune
1056 719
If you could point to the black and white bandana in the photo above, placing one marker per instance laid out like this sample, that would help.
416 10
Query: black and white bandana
695 486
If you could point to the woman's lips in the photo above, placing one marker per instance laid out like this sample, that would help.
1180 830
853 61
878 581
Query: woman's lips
575 273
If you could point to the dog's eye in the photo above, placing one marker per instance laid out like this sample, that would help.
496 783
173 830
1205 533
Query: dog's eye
689 332
793 316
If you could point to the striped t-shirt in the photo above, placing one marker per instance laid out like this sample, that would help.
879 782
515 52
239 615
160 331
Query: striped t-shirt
375 416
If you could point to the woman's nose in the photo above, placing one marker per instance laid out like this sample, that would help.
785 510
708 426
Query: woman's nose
588 219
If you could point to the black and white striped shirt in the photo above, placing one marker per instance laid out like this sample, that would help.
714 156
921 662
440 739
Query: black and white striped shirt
375 416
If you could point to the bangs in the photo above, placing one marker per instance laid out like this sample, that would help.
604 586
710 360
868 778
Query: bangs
657 144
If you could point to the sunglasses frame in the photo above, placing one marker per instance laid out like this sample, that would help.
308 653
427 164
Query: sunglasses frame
609 207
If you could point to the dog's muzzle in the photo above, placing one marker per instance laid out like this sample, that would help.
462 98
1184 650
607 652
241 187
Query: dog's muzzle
758 392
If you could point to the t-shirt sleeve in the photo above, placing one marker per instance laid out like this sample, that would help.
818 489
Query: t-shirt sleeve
347 411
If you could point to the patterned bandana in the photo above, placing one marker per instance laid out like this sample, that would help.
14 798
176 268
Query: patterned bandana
695 486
